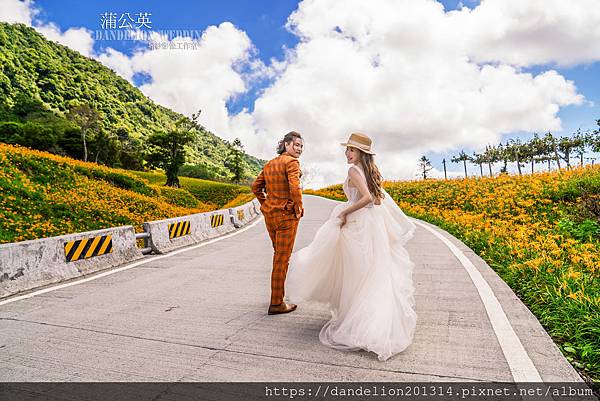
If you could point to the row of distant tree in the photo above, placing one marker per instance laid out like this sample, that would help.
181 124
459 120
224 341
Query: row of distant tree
80 134
563 151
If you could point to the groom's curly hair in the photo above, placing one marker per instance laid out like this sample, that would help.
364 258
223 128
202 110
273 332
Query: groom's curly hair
289 137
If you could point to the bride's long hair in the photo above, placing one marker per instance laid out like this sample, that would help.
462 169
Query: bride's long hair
372 174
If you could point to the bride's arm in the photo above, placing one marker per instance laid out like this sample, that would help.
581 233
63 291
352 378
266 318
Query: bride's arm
365 198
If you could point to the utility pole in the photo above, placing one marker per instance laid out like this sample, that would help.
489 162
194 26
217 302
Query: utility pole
444 162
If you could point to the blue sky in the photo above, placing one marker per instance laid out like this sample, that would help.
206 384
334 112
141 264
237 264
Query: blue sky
264 23
262 20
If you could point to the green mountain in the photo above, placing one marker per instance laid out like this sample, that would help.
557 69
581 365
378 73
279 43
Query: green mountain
41 80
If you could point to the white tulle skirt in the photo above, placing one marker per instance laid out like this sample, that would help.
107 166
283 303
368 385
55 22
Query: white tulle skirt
364 274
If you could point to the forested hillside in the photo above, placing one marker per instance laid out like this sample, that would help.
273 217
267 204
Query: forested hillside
46 88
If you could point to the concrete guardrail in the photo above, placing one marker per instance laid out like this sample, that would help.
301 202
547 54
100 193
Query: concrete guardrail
30 264
167 235
241 215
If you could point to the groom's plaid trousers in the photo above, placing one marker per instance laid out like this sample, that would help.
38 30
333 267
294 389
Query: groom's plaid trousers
277 188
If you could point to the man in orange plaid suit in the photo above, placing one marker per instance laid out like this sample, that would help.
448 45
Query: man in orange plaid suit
277 188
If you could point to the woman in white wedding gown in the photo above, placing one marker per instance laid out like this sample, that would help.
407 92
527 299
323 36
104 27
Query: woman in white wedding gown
357 264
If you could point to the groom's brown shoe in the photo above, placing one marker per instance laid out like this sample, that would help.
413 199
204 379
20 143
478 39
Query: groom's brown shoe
282 308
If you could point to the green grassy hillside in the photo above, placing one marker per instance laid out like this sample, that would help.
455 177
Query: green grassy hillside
210 192
46 195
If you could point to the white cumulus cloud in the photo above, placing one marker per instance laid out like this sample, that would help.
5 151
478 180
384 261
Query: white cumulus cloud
202 78
413 76
403 72
531 32
79 39
17 11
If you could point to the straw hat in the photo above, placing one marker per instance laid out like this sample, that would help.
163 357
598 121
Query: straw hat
359 141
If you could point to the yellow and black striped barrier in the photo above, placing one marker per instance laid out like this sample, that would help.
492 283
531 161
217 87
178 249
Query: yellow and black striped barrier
88 247
217 220
240 214
179 229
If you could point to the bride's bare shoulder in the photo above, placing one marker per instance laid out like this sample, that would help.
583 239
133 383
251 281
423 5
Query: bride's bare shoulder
355 168
353 173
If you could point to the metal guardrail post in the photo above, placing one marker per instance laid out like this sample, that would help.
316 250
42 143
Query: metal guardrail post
146 236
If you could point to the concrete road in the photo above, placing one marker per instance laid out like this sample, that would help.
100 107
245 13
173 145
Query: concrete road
200 315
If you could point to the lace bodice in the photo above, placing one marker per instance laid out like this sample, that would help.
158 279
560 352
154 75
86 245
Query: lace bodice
352 193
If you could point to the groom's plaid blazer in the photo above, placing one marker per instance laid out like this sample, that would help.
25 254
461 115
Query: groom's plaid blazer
277 188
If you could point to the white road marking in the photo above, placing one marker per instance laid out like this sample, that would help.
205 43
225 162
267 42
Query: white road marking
135 264
521 366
